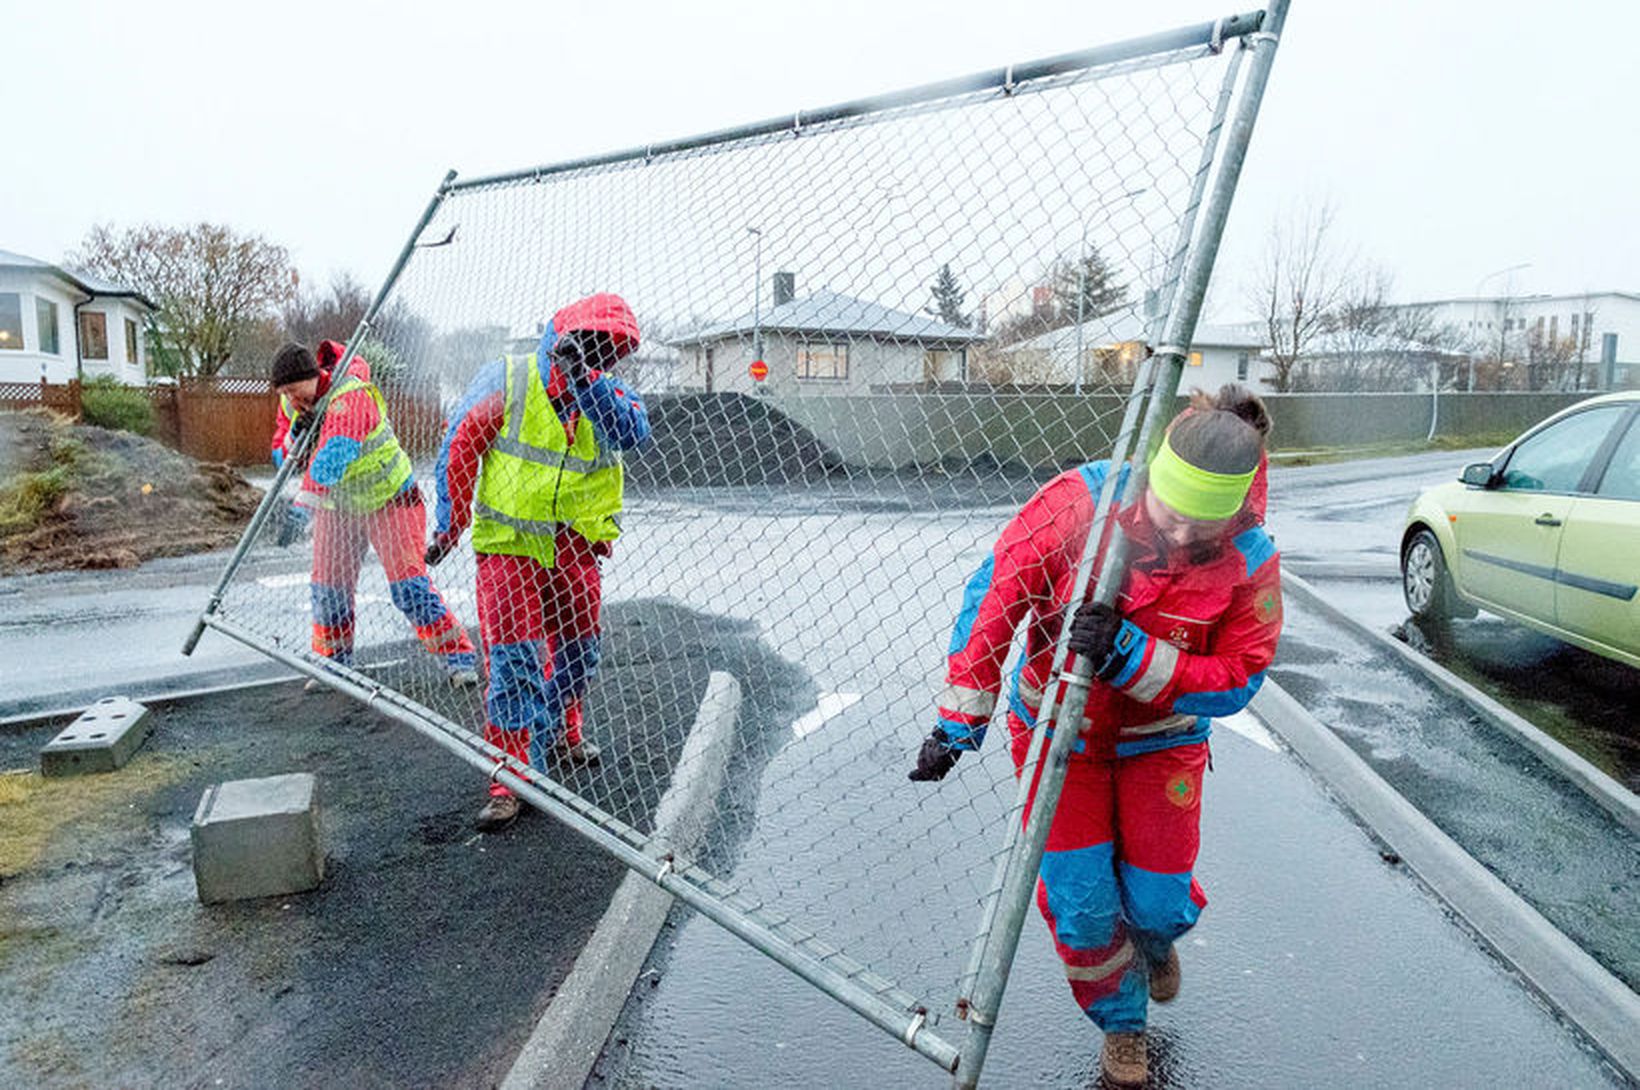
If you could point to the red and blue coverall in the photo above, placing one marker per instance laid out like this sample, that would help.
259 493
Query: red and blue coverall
540 625
1116 884
397 531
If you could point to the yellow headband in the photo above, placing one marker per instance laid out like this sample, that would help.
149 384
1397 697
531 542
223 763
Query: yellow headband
1195 492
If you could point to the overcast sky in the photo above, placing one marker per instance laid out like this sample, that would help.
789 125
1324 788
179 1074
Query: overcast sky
1455 137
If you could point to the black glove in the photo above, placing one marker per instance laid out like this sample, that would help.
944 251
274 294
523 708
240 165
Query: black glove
440 548
935 758
302 423
1094 632
581 351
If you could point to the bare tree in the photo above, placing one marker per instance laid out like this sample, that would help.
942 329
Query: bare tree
333 315
210 283
1299 285
1372 344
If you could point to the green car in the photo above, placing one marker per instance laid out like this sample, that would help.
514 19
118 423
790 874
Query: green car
1547 533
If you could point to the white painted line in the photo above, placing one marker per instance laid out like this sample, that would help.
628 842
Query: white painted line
289 579
829 705
1247 725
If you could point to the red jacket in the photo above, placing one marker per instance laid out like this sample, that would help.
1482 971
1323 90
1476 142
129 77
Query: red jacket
1211 623
348 420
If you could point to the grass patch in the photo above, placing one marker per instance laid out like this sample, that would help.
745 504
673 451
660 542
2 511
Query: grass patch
1329 455
35 810
27 498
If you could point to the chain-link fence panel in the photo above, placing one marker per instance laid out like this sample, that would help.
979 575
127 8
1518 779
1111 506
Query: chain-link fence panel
865 336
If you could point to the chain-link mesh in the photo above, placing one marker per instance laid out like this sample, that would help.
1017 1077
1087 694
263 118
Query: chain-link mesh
924 284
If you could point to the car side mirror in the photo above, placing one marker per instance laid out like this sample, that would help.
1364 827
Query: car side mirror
1479 475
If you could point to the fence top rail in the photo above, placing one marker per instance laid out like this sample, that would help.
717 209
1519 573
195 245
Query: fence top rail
1009 79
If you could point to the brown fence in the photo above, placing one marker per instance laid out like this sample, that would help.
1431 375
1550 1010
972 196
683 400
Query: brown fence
228 420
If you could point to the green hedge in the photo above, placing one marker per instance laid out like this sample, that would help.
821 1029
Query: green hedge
107 403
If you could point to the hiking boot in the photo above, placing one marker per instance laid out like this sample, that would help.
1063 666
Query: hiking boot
464 679
1164 978
500 812
1124 1060
582 752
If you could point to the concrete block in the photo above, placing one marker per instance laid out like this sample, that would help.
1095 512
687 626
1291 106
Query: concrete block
102 739
258 838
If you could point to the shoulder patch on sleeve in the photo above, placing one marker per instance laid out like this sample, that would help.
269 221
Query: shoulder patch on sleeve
1267 605
1255 546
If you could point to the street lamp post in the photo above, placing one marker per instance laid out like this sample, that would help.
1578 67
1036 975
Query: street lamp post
1476 320
757 295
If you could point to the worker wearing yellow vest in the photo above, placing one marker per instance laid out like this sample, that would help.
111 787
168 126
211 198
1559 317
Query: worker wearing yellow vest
533 457
359 492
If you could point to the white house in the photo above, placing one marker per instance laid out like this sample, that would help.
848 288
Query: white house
1111 346
1597 327
824 343
58 325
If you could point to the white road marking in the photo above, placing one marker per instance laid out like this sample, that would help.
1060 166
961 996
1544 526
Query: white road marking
829 705
1247 725
290 579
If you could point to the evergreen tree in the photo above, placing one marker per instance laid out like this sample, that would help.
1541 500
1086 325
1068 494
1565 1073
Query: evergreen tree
1101 290
948 296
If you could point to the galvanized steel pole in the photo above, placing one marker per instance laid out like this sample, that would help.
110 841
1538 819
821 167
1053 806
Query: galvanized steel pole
1024 863
271 499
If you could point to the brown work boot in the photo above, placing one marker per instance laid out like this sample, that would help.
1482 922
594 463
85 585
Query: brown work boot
500 812
1164 978
1124 1061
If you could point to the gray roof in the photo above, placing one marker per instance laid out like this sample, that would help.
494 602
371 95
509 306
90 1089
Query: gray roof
94 286
829 312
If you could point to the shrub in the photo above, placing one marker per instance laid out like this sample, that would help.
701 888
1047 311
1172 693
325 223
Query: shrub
108 403
26 498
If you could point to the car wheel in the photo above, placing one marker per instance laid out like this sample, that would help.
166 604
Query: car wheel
1424 580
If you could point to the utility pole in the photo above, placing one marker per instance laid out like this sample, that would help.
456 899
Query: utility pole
757 295
1082 283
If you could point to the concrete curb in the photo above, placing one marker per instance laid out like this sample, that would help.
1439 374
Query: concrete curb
33 712
1619 801
1567 978
572 1031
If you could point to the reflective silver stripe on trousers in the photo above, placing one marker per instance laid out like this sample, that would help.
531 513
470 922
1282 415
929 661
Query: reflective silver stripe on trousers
541 456
959 698
528 526
1110 966
1161 726
1164 658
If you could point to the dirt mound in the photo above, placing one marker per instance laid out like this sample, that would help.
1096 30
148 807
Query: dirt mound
728 439
75 496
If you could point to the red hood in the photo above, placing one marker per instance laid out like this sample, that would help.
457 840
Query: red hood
605 312
331 351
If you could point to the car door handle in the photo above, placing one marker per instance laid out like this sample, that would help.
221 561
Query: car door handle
1546 519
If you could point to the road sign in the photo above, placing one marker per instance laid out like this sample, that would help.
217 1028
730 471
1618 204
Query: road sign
759 370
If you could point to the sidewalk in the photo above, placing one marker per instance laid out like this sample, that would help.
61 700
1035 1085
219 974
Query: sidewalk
1315 964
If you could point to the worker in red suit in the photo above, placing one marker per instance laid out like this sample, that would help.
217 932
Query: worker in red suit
359 492
532 456
1194 627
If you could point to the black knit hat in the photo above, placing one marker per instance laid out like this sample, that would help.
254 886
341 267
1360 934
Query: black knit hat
292 363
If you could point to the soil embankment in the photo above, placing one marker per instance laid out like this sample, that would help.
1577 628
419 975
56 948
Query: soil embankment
75 496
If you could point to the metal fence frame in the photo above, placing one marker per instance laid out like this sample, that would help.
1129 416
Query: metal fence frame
878 1000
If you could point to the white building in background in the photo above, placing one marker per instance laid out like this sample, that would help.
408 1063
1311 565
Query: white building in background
1111 346
1602 325
58 325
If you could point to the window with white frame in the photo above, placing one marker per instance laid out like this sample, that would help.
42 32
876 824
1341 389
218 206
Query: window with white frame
93 335
45 320
11 321
1241 367
822 361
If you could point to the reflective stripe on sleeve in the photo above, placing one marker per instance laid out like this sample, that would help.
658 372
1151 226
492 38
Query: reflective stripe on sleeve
958 698
1164 659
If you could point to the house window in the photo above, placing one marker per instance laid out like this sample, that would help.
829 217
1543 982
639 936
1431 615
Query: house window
1195 359
45 320
827 362
11 320
1241 367
93 335
130 342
